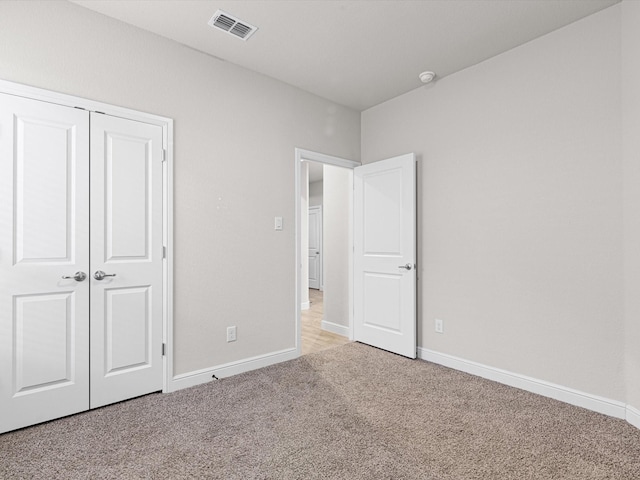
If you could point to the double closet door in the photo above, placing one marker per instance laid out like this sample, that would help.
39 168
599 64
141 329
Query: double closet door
81 260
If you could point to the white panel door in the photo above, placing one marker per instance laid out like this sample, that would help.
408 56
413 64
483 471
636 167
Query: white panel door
315 247
44 215
385 255
126 245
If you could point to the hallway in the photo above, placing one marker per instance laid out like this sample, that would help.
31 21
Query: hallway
314 338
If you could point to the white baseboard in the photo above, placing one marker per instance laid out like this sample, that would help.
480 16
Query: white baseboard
633 416
595 403
305 305
191 379
334 328
589 401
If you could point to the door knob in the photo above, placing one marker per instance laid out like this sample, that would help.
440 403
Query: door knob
78 276
406 267
99 275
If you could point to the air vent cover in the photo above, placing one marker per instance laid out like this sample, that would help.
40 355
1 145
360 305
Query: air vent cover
232 25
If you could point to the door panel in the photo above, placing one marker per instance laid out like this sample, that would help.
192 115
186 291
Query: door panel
382 212
315 247
127 197
42 190
126 241
43 336
384 293
44 213
128 327
385 255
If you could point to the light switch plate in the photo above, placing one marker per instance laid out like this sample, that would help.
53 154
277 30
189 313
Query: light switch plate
231 334
278 223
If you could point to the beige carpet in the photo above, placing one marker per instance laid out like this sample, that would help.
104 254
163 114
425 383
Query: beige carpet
353 412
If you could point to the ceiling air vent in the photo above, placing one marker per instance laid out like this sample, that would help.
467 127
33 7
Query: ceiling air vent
232 25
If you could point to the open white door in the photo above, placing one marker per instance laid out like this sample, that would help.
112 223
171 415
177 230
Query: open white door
44 243
126 246
384 281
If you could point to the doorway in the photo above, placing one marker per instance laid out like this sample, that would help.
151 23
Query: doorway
324 315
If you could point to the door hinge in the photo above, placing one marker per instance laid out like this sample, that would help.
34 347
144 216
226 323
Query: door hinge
164 349
164 252
164 155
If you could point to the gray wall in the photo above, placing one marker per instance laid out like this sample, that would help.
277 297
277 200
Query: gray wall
631 157
315 194
231 266
338 242
520 206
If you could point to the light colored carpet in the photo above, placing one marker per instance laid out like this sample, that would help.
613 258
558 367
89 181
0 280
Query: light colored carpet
353 412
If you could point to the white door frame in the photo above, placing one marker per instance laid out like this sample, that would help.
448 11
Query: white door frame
166 123
302 155
320 246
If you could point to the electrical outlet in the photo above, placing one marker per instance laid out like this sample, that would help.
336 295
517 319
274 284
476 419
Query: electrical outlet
231 334
439 326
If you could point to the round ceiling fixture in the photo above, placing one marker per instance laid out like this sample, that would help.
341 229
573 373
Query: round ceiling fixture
426 77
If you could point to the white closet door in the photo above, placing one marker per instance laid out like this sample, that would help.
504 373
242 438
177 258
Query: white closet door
126 244
44 214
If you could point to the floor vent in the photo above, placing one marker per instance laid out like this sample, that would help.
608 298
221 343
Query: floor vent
232 25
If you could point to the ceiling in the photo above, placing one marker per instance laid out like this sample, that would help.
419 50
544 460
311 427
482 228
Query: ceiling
357 53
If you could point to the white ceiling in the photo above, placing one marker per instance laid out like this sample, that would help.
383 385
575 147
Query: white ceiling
358 53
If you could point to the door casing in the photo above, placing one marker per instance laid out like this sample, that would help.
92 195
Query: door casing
166 124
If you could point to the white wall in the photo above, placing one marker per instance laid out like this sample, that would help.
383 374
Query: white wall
520 206
631 157
235 130
338 242
315 194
